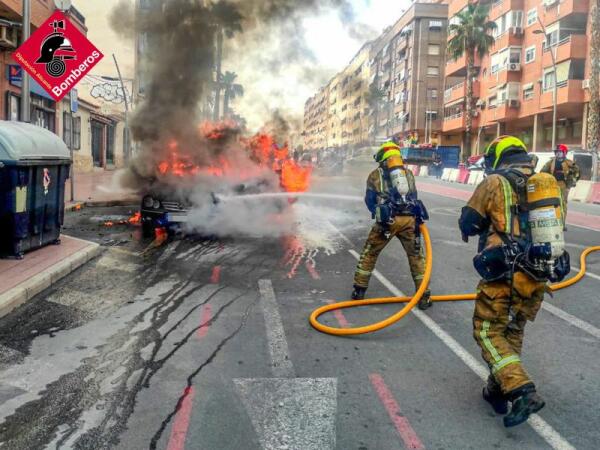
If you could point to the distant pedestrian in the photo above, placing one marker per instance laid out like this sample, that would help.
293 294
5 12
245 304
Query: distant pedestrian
565 171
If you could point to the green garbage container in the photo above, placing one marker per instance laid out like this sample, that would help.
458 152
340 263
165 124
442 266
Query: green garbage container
34 166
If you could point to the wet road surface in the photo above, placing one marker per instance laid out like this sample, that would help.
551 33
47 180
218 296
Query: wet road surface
205 344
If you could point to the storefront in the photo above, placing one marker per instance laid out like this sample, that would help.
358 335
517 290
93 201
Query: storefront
43 106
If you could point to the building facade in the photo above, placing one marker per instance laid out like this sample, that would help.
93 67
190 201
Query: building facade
515 81
392 88
407 72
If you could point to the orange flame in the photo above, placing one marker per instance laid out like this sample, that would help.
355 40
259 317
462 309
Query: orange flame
295 178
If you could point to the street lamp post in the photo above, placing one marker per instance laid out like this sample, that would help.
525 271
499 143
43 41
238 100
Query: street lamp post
25 96
552 50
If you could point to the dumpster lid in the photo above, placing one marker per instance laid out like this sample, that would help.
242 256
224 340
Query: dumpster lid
20 141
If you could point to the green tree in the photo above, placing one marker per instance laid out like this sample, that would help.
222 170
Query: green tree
593 136
232 90
375 97
471 36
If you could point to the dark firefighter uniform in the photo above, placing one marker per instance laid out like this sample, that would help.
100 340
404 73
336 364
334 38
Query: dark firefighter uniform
499 318
402 226
565 171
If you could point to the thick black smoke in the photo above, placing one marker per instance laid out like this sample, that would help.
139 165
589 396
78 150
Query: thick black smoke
179 60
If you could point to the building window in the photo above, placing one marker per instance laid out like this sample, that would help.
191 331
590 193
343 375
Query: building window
67 129
532 16
530 54
548 80
13 107
434 49
433 71
528 92
435 25
77 133
433 93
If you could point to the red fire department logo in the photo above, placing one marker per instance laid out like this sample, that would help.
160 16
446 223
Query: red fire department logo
57 55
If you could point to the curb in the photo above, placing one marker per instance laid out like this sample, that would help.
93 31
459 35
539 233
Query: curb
43 280
77 206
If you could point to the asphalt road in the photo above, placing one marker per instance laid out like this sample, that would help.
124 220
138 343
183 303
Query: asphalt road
205 344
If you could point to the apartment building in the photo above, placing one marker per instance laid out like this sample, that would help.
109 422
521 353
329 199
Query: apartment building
392 88
515 81
407 69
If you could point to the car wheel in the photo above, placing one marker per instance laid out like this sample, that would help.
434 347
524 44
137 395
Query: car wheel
147 227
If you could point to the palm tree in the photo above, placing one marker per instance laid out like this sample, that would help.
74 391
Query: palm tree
232 90
471 36
593 136
374 98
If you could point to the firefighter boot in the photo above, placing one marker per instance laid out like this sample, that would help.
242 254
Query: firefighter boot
525 401
492 393
359 292
425 302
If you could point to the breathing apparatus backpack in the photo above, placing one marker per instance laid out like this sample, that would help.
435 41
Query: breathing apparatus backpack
539 249
400 200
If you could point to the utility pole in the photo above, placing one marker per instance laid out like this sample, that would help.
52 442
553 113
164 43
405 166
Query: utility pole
552 50
25 95
127 139
217 110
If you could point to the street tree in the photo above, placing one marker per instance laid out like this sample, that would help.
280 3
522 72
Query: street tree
232 90
593 135
471 36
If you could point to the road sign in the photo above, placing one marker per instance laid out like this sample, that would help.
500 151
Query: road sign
57 55
74 101
15 74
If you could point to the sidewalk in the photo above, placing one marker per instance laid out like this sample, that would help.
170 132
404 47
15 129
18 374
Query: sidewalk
21 280
584 215
100 188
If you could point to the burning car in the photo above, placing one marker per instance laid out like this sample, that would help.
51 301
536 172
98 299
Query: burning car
182 189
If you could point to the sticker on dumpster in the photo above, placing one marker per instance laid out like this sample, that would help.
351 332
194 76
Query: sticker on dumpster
46 181
57 55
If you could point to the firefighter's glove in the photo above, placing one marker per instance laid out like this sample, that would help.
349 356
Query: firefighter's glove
471 223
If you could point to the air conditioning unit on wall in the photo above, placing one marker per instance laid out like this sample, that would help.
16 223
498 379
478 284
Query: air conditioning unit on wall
586 84
8 37
514 67
513 103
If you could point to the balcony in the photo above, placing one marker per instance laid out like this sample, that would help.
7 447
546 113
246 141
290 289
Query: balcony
569 92
563 8
509 74
512 37
499 8
572 47
457 122
459 91
505 112
458 68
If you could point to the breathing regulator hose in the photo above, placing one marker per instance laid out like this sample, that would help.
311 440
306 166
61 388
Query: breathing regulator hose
412 301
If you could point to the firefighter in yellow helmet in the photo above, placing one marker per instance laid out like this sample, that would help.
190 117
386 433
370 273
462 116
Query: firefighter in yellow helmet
564 170
518 218
391 198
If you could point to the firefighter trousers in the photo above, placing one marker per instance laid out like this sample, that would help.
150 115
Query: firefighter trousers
564 191
403 228
499 327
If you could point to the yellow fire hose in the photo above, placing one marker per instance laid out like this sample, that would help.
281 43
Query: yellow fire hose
412 301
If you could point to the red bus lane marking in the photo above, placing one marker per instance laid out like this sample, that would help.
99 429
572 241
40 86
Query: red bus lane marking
339 316
216 275
403 427
182 421
205 316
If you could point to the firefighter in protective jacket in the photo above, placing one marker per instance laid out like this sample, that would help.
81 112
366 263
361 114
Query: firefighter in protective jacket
564 170
392 200
515 261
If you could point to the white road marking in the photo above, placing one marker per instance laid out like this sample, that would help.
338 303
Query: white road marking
288 412
587 273
298 413
281 363
576 322
540 426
